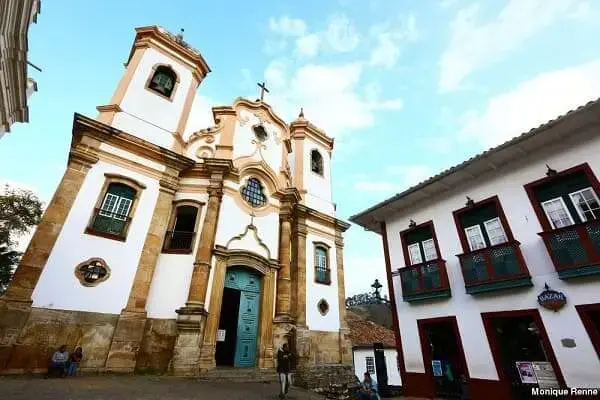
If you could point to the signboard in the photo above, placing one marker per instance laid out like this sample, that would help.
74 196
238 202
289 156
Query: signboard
221 335
526 372
551 299
437 367
544 373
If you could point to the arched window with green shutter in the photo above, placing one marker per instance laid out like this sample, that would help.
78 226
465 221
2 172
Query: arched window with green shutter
113 215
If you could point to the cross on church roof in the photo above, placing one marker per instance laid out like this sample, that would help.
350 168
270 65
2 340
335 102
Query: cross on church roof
263 89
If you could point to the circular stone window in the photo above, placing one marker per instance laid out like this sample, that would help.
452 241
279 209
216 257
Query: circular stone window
260 132
92 272
323 307
253 193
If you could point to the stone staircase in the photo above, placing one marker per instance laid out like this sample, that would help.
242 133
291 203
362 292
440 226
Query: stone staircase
241 375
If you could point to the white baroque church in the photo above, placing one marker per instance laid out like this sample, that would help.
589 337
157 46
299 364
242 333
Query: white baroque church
163 254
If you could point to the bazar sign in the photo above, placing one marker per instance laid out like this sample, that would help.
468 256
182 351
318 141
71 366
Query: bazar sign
551 299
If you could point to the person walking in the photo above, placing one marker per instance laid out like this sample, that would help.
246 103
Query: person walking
284 367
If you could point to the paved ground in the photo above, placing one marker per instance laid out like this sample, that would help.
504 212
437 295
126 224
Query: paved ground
138 388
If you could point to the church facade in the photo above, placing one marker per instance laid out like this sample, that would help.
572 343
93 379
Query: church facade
163 254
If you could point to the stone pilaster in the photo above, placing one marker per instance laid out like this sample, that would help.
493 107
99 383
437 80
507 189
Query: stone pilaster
300 232
284 283
345 344
130 327
35 257
15 305
266 356
199 283
209 342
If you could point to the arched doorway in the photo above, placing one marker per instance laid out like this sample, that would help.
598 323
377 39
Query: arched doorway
237 335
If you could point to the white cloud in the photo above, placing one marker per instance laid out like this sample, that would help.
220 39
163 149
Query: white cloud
386 53
475 44
542 98
410 175
200 115
329 95
287 26
397 179
308 45
389 38
341 34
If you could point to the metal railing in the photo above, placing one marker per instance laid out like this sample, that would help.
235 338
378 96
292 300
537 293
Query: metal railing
574 246
492 264
109 223
429 276
179 241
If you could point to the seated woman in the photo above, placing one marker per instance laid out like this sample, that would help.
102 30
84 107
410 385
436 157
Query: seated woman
368 388
58 362
74 361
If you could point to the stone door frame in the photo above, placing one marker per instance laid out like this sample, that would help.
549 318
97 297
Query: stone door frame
267 269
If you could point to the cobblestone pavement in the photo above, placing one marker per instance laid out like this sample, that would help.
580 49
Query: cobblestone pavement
139 388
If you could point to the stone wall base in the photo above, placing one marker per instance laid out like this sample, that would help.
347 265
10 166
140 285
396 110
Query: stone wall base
45 330
333 381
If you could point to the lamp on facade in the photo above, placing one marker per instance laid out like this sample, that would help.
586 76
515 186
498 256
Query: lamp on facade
550 171
470 202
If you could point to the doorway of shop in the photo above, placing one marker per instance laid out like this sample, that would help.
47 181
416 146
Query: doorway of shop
444 357
520 347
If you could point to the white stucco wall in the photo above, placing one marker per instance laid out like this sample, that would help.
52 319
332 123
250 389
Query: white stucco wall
233 222
360 364
580 365
318 187
58 288
172 276
146 114
317 291
270 150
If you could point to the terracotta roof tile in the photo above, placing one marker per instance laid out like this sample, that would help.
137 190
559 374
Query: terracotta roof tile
363 332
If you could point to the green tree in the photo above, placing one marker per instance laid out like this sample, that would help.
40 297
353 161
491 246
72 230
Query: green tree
20 210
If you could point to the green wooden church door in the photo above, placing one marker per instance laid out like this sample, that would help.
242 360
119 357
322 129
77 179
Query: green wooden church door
248 283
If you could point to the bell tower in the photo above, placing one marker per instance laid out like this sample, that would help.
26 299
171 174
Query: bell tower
154 97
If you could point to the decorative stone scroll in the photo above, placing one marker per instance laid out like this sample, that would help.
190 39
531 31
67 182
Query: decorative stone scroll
92 272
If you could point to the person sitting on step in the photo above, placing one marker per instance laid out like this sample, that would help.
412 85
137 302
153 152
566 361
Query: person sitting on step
58 362
74 361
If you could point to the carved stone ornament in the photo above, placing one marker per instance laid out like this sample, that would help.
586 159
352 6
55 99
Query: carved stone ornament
92 272
323 307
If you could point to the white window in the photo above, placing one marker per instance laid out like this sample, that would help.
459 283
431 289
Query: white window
414 253
495 232
587 204
115 206
370 361
429 250
557 213
475 237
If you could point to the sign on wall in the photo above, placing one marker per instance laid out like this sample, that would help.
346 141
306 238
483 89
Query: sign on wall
544 373
221 335
551 299
437 367
526 372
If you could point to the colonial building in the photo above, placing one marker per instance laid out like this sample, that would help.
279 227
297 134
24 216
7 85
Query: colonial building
373 351
15 86
495 266
164 254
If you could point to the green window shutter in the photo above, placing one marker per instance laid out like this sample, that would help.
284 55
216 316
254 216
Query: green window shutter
418 235
478 216
561 187
121 190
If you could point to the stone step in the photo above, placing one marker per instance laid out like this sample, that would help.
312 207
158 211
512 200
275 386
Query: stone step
242 375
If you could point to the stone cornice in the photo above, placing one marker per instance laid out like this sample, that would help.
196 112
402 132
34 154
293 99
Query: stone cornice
321 218
301 128
84 126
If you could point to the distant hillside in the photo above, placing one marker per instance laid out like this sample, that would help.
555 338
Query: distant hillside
380 314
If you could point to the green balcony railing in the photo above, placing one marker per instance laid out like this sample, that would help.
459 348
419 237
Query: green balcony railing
109 224
424 281
575 249
492 268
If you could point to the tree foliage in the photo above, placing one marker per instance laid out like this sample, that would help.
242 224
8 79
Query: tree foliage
20 210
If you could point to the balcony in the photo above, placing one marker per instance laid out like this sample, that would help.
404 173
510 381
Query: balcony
323 275
179 242
109 225
575 249
494 268
424 281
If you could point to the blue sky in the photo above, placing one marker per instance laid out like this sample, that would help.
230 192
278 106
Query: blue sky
407 87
